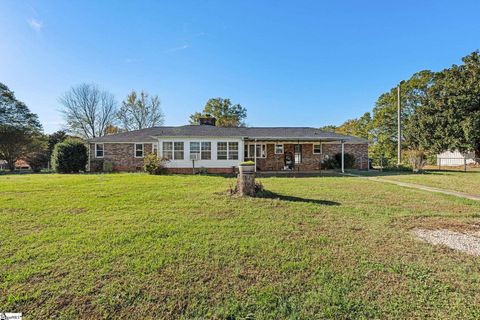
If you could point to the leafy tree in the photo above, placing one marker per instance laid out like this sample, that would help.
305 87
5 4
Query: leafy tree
384 122
37 160
69 156
140 111
450 117
360 127
112 129
329 128
226 113
88 111
19 128
53 139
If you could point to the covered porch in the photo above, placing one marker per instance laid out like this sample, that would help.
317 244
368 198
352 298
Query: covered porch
306 155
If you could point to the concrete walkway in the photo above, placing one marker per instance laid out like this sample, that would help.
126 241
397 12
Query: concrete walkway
420 187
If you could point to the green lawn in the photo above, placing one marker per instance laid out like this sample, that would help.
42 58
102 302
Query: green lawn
468 182
133 245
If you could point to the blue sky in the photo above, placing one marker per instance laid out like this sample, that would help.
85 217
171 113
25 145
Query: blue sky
290 63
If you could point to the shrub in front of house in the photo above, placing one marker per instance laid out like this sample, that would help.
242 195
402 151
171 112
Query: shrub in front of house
96 165
107 166
329 163
69 156
153 164
349 160
335 162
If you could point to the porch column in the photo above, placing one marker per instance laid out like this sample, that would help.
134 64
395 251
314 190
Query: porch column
343 156
255 154
88 164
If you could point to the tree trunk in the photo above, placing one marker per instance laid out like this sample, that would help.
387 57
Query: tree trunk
11 165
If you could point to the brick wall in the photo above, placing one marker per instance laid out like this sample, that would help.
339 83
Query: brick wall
121 155
197 170
311 161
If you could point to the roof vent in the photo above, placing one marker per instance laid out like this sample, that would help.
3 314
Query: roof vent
207 120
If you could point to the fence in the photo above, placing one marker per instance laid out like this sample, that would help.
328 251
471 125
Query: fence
456 164
438 163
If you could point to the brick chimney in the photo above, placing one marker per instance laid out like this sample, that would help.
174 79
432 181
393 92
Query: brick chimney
207 120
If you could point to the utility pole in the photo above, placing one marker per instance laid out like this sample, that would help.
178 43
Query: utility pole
399 127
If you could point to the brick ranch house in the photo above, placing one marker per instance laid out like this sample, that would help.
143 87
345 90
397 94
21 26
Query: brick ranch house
221 150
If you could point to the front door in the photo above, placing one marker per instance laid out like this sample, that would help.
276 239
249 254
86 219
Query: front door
298 153
288 160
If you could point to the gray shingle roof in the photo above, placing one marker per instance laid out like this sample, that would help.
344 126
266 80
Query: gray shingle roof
265 133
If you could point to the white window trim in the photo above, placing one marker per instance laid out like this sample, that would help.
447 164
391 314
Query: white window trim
321 148
250 156
135 150
275 148
200 150
103 150
173 150
155 145
228 150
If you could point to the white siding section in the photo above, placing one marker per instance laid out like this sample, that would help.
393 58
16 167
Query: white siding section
455 158
213 163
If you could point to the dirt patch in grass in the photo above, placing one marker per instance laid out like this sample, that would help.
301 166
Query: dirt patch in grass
77 210
437 223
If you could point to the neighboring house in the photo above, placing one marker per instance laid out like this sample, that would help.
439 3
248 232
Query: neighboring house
19 165
221 150
455 158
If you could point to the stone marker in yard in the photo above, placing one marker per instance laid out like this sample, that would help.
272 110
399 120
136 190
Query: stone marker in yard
246 179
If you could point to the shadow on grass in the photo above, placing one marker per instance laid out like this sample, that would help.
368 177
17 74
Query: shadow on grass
272 195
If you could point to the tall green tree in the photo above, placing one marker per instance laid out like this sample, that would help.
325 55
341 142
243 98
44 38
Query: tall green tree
53 139
450 117
20 129
384 122
140 111
226 113
329 128
360 127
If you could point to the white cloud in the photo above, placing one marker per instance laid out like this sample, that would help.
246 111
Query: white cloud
35 24
185 46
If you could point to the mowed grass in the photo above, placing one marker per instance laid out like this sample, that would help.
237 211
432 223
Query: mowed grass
467 182
133 245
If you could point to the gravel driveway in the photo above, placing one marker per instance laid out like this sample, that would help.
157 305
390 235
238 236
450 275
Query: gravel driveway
465 242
